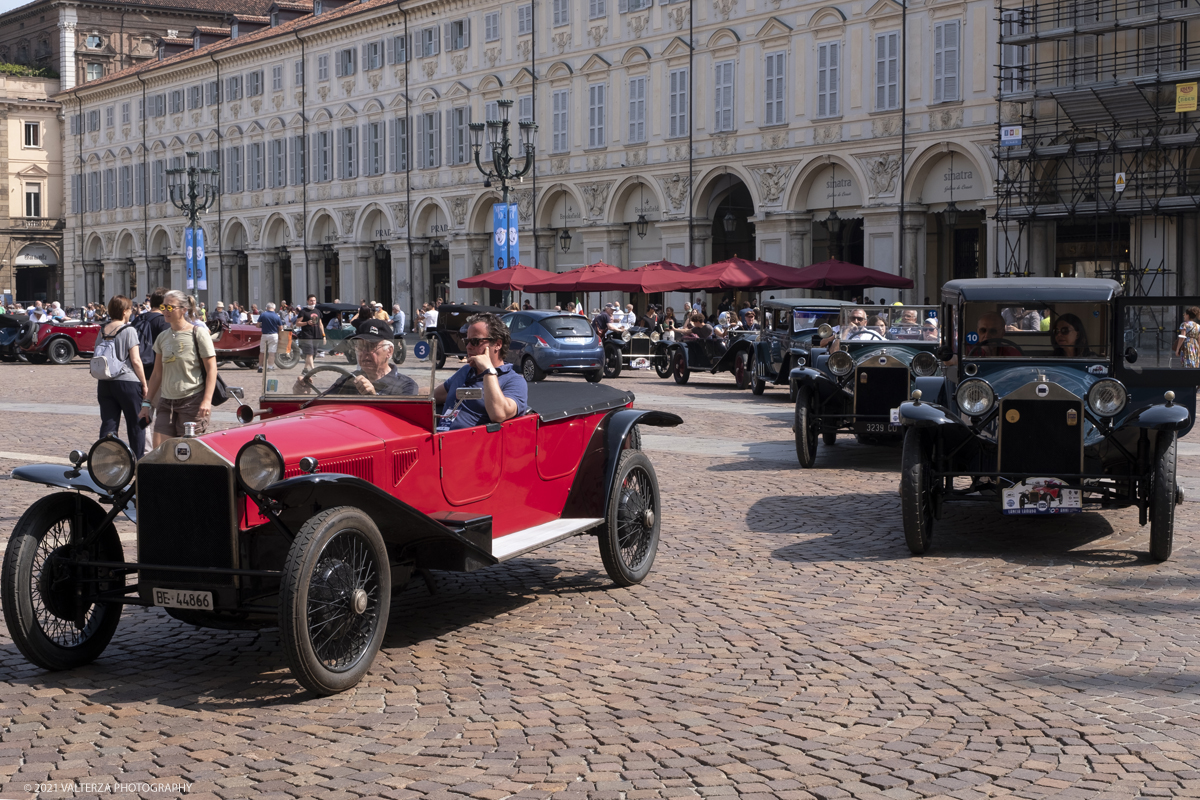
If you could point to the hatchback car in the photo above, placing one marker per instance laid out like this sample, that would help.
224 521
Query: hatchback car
1059 394
309 518
545 342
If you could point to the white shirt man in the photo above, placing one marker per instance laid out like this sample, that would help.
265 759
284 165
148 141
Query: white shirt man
431 318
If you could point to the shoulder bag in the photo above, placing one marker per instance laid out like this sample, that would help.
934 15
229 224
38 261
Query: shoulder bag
221 392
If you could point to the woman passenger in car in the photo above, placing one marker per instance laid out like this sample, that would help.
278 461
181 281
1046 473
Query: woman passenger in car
1070 338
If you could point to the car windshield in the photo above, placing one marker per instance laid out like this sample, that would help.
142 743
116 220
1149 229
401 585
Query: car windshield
304 369
567 326
889 323
1035 330
804 319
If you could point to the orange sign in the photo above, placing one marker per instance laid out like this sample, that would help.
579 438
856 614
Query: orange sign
1185 97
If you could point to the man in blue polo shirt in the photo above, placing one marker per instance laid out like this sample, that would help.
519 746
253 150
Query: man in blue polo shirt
505 393
270 323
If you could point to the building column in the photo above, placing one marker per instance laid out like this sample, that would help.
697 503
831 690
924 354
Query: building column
256 263
401 286
66 47
420 271
911 261
92 273
881 246
478 262
141 269
114 282
228 272
458 260
1188 283
1039 263
544 242
701 242
618 245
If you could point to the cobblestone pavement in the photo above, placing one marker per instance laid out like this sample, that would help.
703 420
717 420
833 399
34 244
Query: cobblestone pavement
785 645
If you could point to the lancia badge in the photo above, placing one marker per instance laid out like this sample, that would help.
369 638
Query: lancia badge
882 361
1012 415
1042 390
1072 417
183 451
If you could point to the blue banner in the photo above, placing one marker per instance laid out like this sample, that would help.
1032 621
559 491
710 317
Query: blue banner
190 258
505 239
201 270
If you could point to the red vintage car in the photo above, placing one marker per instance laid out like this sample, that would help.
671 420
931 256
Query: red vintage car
309 518
59 342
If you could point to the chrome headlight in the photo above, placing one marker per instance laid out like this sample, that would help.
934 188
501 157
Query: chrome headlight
654 336
825 331
976 397
1107 397
924 364
110 463
259 464
626 336
841 363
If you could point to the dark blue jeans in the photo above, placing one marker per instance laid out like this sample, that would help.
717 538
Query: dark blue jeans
117 398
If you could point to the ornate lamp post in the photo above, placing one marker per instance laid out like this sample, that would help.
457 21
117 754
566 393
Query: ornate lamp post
193 190
500 167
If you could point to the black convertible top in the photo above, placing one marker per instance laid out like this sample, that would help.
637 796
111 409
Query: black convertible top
1046 290
559 400
10 321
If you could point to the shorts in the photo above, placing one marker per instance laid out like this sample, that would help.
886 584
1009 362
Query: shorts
269 343
308 347
171 414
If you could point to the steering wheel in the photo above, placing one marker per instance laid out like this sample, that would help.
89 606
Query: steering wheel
866 335
1001 343
305 375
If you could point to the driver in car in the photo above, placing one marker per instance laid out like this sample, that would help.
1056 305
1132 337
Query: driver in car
991 337
376 374
505 393
857 327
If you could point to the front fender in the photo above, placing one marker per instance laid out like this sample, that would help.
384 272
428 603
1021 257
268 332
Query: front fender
725 362
933 389
1159 417
62 477
400 524
928 415
592 487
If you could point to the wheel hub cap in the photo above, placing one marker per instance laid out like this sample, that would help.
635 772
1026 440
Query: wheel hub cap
358 601
648 518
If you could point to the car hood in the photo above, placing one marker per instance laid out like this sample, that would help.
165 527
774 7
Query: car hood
320 435
901 351
1009 379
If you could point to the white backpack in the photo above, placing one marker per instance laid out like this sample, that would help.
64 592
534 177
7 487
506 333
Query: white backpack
104 364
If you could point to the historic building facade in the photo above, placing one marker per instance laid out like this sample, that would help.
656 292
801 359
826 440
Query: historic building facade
347 169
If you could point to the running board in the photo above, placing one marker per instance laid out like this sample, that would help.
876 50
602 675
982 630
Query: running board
521 542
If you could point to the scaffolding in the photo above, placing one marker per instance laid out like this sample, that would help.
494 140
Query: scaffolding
1102 152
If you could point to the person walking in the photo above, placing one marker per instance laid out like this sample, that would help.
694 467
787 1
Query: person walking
187 373
268 345
123 393
398 319
308 321
1187 346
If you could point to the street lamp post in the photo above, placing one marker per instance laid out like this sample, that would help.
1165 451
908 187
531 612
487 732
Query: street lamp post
501 165
193 190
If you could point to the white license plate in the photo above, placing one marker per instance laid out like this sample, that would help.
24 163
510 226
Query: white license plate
640 363
895 416
574 340
1041 496
180 598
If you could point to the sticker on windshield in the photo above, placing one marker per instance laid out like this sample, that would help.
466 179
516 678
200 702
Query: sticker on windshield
1098 369
932 313
972 338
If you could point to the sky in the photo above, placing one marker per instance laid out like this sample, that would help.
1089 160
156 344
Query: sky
9 5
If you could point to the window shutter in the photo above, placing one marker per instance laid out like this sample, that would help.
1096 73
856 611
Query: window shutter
420 149
391 50
939 67
393 160
337 66
622 6
364 148
446 36
466 32
341 153
893 40
314 156
293 175
449 137
950 61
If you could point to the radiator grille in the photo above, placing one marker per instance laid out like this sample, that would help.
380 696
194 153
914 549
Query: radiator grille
185 518
1039 439
885 388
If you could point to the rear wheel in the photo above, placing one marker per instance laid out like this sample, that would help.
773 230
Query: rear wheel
612 361
441 356
334 600
829 437
1162 497
289 359
662 364
594 376
679 367
399 352
36 358
50 625
245 364
531 371
61 351
742 370
916 501
806 427
629 538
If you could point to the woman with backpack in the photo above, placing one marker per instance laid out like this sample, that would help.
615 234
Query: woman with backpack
123 385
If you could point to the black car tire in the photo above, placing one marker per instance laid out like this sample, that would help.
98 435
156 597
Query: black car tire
245 364
440 360
1162 497
334 600
36 358
629 537
612 361
399 352
829 437
806 428
531 371
289 359
742 370
595 376
39 607
61 351
662 364
27 336
758 385
679 367
916 504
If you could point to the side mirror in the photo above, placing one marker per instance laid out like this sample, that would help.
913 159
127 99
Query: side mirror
237 392
1131 354
468 393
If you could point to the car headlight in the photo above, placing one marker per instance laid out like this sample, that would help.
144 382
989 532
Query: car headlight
654 336
841 363
110 463
924 364
259 464
1107 397
626 336
825 331
976 397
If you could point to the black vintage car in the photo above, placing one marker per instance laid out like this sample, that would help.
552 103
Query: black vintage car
856 382
731 353
16 332
634 348
788 329
1060 394
451 329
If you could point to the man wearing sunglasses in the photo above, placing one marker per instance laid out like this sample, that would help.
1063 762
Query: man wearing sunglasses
505 393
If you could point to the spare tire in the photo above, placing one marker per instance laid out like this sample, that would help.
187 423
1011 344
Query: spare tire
28 334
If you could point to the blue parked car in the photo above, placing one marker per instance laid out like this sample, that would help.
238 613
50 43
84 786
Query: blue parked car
553 341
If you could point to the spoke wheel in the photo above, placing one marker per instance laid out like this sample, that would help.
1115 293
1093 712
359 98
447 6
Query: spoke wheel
629 538
399 352
916 493
49 626
612 361
679 367
806 428
289 359
61 351
662 364
1162 497
334 600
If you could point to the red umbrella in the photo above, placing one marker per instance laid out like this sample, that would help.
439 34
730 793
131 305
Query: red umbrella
646 279
842 274
569 281
518 278
740 273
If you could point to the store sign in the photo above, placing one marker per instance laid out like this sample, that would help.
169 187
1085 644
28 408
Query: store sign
834 188
956 177
35 256
1010 136
1185 97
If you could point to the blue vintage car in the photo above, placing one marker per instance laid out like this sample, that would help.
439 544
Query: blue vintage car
545 342
1059 394
860 373
788 327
